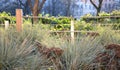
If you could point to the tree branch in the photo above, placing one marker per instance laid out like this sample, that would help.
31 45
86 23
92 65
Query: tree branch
41 4
100 3
15 3
30 4
94 4
21 3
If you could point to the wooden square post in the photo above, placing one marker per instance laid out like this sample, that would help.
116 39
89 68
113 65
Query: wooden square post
6 25
72 31
19 19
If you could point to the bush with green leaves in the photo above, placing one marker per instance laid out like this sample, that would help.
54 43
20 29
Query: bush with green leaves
103 18
81 25
56 23
115 13
103 14
7 16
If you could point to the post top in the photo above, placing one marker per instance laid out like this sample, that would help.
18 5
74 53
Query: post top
19 9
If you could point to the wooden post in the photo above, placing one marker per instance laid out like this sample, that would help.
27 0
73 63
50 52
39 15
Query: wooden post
6 25
19 20
72 31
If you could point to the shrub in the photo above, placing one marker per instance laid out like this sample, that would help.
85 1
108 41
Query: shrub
104 17
57 23
7 16
104 14
81 25
115 13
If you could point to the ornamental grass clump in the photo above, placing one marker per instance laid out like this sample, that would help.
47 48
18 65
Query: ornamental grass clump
18 50
80 54
109 36
109 59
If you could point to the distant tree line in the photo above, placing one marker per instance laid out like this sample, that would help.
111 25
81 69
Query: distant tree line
52 7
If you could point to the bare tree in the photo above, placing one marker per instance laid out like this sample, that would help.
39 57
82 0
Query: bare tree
54 2
36 7
97 7
23 5
117 5
68 4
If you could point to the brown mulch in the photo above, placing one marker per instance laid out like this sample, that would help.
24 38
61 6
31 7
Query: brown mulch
52 53
110 59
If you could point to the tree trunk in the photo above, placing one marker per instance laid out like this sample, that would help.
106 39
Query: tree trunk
53 8
35 11
98 8
98 11
68 10
36 8
35 14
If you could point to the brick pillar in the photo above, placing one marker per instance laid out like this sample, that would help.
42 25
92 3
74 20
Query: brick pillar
19 19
